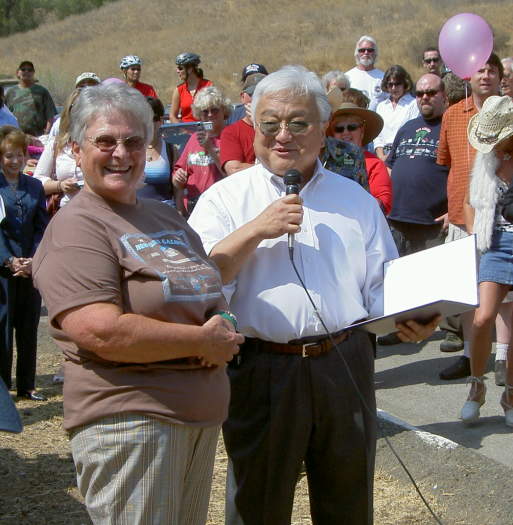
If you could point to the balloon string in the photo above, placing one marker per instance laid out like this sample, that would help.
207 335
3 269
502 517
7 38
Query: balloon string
466 131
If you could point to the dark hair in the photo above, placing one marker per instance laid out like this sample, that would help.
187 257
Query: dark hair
430 48
494 60
400 74
26 63
1 96
355 96
157 106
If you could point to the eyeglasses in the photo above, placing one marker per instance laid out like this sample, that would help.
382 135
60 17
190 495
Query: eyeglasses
431 60
210 111
392 84
27 69
363 50
429 92
294 127
108 143
340 128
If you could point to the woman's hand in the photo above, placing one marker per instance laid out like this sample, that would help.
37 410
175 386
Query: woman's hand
70 185
221 342
180 178
21 267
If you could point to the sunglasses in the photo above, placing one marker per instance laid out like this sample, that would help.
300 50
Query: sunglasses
394 84
210 111
294 127
108 143
363 50
428 92
431 60
340 128
27 69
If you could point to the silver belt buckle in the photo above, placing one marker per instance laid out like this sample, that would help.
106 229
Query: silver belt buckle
304 354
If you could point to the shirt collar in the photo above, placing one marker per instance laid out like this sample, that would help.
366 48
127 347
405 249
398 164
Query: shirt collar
278 183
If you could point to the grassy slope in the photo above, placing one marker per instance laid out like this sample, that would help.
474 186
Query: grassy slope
230 33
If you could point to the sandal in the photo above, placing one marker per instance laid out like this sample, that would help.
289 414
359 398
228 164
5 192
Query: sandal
476 398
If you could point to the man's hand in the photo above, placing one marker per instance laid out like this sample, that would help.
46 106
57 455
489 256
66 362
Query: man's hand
413 332
221 342
180 178
444 219
282 216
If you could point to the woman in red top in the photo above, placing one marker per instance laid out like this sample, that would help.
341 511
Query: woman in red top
192 81
352 122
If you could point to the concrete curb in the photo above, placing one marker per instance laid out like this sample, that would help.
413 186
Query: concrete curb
470 488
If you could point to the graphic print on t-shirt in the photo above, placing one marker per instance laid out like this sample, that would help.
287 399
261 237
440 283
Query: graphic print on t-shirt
419 146
185 275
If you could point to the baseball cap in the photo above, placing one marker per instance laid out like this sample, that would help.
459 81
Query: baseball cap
251 69
87 76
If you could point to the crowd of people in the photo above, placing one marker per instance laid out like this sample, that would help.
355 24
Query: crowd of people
167 278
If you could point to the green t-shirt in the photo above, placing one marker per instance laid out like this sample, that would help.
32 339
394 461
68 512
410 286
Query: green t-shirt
32 106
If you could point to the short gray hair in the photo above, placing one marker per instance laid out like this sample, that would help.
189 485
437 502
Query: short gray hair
338 77
508 63
210 97
368 39
104 99
299 82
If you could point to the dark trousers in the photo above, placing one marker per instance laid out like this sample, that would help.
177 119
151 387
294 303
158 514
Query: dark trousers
411 238
20 308
286 409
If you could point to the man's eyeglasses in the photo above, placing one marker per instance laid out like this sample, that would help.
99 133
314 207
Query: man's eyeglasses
273 127
431 60
27 70
108 143
363 50
340 128
429 92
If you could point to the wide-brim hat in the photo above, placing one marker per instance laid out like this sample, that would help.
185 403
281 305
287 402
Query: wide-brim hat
373 122
493 124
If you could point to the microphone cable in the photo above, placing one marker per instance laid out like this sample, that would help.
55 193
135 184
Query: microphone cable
360 395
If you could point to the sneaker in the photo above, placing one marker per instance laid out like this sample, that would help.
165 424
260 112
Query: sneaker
460 368
388 340
500 372
451 343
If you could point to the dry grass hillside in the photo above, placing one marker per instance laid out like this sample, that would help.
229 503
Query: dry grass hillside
230 33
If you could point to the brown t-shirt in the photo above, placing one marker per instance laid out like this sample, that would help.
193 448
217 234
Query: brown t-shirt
146 259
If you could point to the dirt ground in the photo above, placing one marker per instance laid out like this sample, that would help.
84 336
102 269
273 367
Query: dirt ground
37 474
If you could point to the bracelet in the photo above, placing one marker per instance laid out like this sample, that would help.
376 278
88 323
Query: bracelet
59 186
228 316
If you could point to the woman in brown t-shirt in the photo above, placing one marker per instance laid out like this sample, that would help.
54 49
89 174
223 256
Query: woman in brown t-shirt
137 308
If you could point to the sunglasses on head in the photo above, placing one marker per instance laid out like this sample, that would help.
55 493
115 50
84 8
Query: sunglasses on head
340 128
429 92
366 50
108 143
431 60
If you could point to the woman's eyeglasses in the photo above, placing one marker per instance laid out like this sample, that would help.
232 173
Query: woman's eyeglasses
392 84
108 143
210 111
340 128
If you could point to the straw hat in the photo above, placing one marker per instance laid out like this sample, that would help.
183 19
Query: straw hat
493 124
373 121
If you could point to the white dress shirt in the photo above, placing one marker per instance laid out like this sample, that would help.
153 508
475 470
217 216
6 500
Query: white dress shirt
340 251
394 118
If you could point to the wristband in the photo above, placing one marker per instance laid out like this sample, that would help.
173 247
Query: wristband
228 316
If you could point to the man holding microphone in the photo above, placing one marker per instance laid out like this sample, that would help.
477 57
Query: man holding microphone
293 398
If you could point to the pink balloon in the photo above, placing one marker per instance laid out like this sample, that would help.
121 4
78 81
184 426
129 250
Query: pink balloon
465 43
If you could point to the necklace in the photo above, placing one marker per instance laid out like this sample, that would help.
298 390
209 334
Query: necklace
506 156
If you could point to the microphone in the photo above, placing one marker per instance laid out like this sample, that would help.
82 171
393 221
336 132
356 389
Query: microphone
292 179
